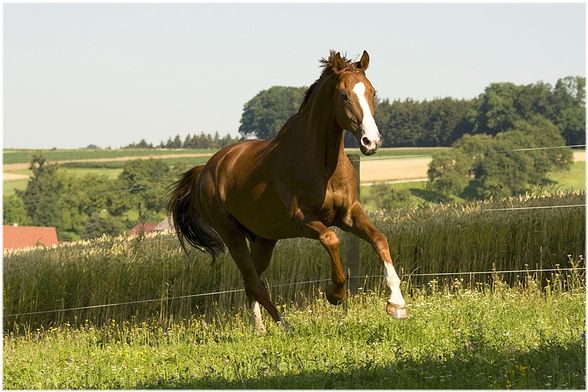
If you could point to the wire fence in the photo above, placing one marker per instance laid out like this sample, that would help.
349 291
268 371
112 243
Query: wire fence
174 239
232 291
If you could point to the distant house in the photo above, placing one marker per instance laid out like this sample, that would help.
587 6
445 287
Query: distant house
16 237
165 225
142 228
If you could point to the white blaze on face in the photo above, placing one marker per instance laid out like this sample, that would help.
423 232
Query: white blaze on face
368 123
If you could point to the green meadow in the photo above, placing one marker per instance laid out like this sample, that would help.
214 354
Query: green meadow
494 338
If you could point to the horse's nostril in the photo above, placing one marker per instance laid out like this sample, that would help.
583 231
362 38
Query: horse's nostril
365 141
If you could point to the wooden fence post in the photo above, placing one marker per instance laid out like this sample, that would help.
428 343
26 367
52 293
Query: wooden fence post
352 255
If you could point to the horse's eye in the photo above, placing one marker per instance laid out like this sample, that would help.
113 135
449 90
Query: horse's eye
344 97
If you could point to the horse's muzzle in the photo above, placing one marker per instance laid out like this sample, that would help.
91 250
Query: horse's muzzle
368 146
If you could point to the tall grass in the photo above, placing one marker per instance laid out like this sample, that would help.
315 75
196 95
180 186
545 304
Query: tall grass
432 239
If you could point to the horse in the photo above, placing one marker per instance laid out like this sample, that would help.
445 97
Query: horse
299 183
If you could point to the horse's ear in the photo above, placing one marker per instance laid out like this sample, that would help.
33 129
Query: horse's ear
338 63
364 61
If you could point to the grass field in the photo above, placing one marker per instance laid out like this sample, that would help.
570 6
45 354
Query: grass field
495 338
574 179
25 155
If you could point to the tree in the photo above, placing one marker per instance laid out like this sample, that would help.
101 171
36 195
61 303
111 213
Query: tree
449 172
41 196
177 142
146 180
99 224
483 166
14 211
497 111
266 113
569 113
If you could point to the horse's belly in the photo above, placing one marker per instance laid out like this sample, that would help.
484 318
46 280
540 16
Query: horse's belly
265 217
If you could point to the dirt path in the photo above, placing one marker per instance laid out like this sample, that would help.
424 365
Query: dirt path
376 170
393 169
406 169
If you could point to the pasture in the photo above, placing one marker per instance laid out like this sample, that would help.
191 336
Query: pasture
501 330
495 337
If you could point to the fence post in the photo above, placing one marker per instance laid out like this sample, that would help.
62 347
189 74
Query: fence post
352 255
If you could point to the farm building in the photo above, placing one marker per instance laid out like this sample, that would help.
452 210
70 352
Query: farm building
142 228
16 237
164 225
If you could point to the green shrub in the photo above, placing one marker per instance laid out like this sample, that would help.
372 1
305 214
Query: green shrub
510 163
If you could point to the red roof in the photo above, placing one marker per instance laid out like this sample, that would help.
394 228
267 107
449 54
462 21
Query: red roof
27 236
142 227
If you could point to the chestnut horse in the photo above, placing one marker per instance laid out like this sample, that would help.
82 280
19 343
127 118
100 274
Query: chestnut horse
296 184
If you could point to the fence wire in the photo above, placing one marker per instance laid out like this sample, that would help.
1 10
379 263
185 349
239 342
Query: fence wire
231 291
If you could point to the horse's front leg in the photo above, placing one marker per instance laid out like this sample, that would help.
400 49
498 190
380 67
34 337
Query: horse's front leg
360 225
329 240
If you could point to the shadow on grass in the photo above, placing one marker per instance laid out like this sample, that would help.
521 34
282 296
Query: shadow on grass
475 367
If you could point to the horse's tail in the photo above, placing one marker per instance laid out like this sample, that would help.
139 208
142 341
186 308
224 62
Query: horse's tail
189 225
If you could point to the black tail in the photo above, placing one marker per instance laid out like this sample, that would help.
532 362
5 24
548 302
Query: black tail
189 225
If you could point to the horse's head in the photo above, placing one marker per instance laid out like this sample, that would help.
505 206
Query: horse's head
354 102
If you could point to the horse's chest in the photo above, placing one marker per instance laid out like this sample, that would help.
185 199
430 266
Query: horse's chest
334 204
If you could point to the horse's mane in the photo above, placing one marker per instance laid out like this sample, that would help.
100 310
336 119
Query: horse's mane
330 66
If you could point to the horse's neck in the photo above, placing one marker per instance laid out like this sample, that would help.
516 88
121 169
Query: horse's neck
316 129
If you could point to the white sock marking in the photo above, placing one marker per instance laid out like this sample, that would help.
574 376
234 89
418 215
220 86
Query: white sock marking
394 284
256 316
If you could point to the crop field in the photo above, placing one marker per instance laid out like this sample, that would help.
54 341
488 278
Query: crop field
12 156
25 155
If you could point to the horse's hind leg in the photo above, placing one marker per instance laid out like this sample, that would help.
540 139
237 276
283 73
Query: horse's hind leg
254 288
261 254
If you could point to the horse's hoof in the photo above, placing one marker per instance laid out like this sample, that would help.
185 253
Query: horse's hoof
335 296
397 311
285 326
259 329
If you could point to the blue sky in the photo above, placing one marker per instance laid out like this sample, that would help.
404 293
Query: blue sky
111 74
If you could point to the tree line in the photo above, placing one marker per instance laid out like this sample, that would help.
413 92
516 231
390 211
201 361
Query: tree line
203 140
413 123
441 122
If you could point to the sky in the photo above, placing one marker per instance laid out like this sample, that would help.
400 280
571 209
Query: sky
113 74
